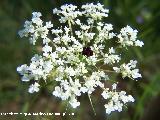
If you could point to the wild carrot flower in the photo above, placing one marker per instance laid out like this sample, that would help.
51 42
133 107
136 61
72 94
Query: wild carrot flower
71 54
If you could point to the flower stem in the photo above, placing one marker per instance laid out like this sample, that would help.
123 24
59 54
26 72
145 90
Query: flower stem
70 26
92 104
109 71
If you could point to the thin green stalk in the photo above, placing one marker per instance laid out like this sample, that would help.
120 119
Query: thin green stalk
92 104
70 26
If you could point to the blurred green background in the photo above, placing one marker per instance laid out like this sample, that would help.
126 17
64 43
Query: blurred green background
144 15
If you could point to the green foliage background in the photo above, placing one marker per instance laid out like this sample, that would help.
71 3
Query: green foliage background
144 15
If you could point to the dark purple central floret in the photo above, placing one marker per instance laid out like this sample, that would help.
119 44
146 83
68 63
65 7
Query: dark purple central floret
87 51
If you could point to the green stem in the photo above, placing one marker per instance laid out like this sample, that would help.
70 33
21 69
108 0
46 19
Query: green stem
70 26
92 104
109 71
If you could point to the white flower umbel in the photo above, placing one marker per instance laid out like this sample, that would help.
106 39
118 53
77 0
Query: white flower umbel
72 54
127 70
33 88
34 29
111 57
128 37
116 100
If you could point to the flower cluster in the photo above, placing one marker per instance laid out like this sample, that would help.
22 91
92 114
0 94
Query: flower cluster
127 70
116 99
128 37
72 53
